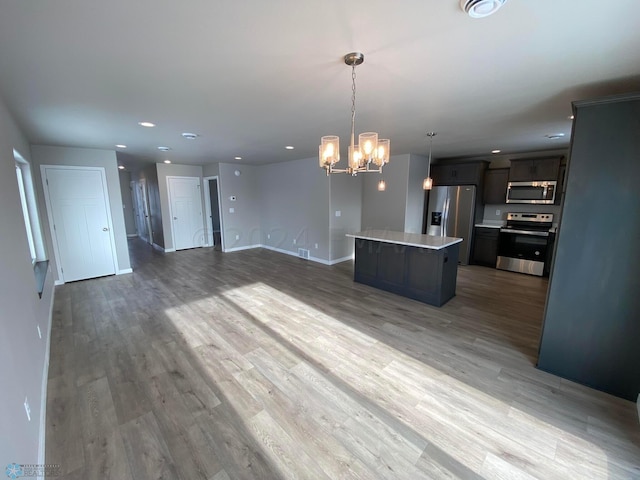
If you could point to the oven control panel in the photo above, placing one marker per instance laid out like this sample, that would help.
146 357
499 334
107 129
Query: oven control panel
530 217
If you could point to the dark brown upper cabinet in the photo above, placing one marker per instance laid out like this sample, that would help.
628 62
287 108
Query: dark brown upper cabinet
495 186
534 169
458 173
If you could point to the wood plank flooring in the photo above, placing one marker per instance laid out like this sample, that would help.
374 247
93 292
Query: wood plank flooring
258 365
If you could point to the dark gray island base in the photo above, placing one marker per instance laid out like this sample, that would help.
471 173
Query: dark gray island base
421 267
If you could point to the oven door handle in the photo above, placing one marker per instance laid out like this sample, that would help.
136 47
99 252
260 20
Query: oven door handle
525 232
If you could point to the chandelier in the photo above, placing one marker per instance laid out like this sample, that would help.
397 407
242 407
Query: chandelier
371 153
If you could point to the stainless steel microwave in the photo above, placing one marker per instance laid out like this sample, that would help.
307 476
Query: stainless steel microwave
540 193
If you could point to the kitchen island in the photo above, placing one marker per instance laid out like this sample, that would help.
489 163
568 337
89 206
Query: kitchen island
421 267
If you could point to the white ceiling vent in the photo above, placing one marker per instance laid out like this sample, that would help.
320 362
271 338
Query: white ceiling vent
481 8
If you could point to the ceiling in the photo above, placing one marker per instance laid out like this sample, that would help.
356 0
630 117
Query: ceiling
252 76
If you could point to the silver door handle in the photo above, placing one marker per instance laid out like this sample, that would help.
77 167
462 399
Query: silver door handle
105 229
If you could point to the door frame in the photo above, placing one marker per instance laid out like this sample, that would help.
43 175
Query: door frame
208 213
173 232
52 231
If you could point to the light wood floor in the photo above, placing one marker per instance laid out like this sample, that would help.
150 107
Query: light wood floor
257 365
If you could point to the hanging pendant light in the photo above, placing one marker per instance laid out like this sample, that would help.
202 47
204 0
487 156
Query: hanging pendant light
382 186
369 153
427 183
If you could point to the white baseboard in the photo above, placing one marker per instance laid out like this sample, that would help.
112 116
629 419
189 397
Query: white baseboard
58 282
313 259
157 247
237 249
45 376
124 270
132 235
340 260
169 250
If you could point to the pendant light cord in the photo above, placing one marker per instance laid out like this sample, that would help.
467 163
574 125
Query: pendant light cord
431 135
353 103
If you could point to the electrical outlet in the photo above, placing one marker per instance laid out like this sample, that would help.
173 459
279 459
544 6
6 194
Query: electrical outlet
316 245
294 241
232 210
39 332
498 212
27 408
268 236
338 213
237 237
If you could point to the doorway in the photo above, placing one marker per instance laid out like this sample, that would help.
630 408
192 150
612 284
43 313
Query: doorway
143 216
214 216
80 221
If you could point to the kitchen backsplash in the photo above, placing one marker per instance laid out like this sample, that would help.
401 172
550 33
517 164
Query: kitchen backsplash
499 212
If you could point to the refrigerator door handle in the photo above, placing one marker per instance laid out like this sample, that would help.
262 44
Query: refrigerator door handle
445 215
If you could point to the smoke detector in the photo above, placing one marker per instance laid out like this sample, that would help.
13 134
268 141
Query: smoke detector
481 8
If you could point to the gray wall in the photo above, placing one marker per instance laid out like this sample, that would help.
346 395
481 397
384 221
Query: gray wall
244 222
386 210
127 202
346 197
23 355
86 157
414 212
294 205
174 170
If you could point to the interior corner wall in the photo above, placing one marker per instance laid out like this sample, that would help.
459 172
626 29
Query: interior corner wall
23 354
83 157
414 212
211 170
175 170
386 210
240 227
346 198
294 205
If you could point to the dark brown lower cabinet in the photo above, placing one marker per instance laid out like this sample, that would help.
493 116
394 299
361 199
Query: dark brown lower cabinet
485 246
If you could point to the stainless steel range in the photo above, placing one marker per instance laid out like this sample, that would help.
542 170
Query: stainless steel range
524 243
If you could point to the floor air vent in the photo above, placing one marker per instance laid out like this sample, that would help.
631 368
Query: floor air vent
303 253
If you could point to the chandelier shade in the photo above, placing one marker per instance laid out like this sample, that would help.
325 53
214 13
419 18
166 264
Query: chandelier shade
369 155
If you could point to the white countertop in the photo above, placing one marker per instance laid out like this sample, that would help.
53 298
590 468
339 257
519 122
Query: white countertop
410 239
490 224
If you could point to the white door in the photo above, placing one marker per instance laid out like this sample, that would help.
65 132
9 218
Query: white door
77 202
185 203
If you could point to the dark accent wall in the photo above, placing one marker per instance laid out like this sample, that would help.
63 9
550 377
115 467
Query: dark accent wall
591 330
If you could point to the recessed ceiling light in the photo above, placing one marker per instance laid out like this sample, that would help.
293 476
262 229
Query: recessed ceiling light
147 124
167 161
237 158
289 147
554 136
190 136
164 149
121 167
496 151
121 146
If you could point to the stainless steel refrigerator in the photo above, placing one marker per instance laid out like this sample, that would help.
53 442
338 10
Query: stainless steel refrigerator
450 213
